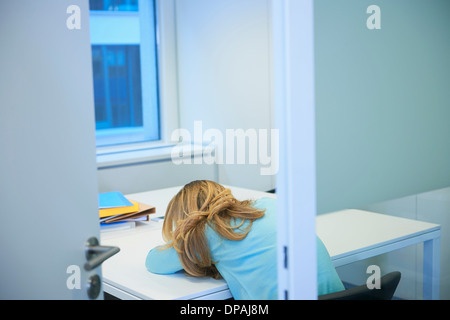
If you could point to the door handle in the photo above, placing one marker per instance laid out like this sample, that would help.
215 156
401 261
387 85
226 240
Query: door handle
97 254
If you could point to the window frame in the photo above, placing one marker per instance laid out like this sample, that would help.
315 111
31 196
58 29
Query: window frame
167 89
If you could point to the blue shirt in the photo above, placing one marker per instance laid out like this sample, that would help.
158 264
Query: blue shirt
249 266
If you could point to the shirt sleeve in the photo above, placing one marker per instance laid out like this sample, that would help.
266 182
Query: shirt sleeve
163 261
328 278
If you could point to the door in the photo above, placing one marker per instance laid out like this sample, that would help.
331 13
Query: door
48 182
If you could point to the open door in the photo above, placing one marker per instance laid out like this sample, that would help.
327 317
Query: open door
48 180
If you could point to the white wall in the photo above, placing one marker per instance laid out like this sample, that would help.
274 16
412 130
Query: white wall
224 73
151 175
382 101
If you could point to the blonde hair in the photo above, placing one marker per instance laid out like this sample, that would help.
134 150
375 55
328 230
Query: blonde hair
198 204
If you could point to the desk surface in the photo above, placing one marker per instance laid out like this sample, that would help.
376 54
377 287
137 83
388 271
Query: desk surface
350 232
344 233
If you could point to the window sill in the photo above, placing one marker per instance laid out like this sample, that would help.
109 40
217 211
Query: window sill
140 156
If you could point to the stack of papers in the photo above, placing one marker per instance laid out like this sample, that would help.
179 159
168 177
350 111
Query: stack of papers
115 208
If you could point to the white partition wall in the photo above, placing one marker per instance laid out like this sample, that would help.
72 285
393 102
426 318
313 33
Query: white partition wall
362 104
382 100
293 44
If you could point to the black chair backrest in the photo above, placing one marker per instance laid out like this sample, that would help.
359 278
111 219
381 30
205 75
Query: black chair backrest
388 285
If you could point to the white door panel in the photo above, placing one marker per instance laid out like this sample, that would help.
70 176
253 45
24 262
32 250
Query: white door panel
48 186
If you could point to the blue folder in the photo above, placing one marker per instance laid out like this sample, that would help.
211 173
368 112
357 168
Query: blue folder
112 199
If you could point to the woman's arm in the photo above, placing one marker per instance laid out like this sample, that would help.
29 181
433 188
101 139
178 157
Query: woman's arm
163 261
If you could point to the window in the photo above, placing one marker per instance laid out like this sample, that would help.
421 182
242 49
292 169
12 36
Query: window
125 71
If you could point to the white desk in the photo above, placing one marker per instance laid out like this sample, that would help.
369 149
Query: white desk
349 236
353 235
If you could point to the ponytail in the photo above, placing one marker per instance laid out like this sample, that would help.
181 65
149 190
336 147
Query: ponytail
198 204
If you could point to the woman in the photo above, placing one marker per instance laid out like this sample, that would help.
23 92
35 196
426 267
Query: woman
211 233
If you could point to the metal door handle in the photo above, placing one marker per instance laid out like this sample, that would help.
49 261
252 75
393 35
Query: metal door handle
96 254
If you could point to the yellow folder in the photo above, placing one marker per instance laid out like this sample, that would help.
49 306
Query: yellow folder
119 210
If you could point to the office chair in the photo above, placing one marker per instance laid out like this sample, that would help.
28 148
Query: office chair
388 285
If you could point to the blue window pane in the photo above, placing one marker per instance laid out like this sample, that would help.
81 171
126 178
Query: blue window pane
117 66
117 86
114 5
